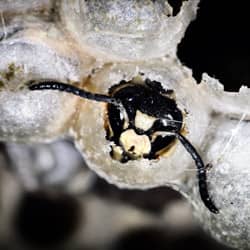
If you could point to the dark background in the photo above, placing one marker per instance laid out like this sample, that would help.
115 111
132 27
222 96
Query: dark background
218 42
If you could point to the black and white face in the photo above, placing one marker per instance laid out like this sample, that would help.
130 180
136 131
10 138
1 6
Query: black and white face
143 121
103 40
145 126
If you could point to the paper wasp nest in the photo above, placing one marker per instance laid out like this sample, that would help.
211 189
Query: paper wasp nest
97 44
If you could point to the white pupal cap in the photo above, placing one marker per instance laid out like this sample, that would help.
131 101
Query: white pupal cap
118 30
31 116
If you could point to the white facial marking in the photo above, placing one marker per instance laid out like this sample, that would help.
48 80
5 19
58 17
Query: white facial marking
144 121
117 152
134 144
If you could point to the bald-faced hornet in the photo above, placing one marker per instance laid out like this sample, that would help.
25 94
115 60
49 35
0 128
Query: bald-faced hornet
143 121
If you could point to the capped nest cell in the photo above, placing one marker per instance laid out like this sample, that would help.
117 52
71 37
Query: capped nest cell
142 121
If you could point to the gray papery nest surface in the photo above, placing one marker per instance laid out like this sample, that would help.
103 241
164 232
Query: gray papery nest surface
97 44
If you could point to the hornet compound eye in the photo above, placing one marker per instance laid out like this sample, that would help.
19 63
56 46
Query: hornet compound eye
146 125
143 121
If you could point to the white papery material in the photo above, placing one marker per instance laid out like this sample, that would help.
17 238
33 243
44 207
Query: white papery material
118 30
28 115
141 33
22 6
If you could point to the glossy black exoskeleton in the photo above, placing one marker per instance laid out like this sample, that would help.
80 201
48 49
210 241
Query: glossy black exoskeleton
150 99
